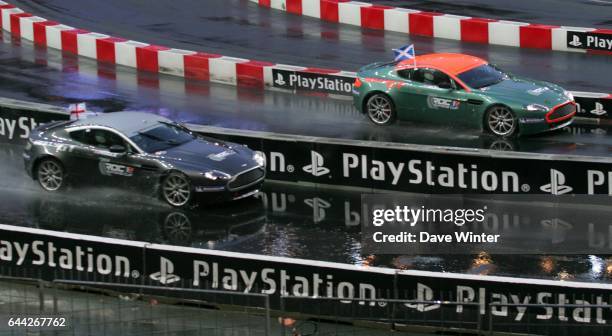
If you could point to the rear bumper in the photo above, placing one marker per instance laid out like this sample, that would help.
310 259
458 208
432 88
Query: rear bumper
28 163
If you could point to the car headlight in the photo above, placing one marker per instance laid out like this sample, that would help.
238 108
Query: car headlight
536 108
259 158
568 95
216 175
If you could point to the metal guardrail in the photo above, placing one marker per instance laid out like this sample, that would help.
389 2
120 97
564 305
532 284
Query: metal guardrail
89 312
265 297
51 297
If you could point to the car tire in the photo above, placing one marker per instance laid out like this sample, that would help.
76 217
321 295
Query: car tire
380 109
50 174
176 189
500 121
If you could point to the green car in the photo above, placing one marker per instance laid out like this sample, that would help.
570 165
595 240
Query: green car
463 90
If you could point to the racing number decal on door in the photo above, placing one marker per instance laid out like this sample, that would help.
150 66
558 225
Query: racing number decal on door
108 169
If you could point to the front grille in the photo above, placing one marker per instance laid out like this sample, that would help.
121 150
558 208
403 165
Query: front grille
247 178
561 112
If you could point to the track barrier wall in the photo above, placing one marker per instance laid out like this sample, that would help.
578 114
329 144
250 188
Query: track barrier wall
515 304
506 300
449 26
386 166
194 65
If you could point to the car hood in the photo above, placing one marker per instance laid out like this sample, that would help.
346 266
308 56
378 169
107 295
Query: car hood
201 155
526 91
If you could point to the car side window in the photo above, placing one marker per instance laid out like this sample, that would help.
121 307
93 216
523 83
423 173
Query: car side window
406 73
99 138
84 136
432 77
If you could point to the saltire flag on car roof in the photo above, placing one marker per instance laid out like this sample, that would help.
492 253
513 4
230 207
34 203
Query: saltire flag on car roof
404 53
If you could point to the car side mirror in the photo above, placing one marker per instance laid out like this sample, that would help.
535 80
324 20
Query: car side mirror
445 85
118 149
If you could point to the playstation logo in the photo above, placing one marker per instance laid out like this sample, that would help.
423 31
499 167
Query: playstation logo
280 79
318 208
316 167
424 293
598 110
165 276
557 184
575 42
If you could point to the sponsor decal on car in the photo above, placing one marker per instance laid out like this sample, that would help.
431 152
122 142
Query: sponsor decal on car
443 103
531 120
108 169
221 155
538 91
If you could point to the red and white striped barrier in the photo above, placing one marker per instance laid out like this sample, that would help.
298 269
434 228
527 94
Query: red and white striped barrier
448 26
139 55
245 72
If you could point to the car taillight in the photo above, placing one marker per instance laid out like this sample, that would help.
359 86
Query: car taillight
357 83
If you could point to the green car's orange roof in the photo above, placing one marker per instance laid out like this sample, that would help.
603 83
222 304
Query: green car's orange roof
452 64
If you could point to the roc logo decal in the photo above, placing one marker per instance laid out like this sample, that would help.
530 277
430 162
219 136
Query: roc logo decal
449 104
108 169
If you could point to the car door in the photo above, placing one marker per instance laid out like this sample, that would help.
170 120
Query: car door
122 169
439 98
82 164
408 96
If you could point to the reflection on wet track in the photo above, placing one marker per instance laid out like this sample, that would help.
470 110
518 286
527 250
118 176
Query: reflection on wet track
47 76
284 220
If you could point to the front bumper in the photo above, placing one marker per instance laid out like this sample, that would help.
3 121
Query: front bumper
558 117
535 125
242 185
225 195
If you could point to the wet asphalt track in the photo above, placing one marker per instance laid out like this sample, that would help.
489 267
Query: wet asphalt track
576 13
242 29
47 76
282 221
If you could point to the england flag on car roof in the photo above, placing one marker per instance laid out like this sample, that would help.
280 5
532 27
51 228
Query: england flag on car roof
79 111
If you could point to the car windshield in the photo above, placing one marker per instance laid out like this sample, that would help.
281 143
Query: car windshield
161 137
482 76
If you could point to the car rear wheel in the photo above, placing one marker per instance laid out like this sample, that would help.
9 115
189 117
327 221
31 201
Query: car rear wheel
380 109
501 121
176 189
50 174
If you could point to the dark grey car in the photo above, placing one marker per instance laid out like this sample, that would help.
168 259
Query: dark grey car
144 151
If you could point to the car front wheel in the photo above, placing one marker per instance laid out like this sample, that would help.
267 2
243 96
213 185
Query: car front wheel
501 121
50 174
176 189
380 109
